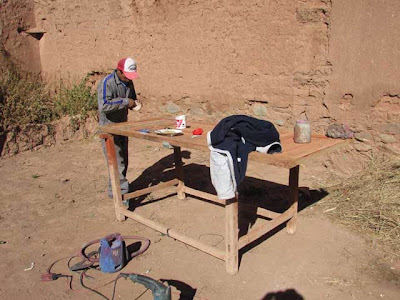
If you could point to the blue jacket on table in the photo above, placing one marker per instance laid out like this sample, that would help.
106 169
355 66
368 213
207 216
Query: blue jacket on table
240 135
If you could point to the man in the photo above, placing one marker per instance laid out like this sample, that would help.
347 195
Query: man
115 94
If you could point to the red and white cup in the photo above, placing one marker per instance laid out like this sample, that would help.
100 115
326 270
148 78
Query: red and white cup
180 122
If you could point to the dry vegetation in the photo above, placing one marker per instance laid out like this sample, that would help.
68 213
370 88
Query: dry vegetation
25 99
370 203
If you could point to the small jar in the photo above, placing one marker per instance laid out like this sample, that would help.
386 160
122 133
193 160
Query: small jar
302 132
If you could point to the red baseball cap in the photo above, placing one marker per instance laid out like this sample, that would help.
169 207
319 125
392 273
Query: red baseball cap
128 67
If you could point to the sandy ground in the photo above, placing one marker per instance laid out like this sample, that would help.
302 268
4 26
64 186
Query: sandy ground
53 201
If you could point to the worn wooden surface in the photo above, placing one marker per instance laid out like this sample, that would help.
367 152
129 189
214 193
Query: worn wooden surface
114 177
293 154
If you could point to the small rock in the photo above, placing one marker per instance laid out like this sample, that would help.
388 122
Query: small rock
196 111
387 138
339 131
280 122
172 108
361 147
391 148
390 128
259 110
363 137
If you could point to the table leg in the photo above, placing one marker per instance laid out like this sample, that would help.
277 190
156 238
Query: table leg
179 172
232 236
114 177
293 198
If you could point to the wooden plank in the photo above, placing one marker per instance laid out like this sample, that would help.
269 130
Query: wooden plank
323 151
293 198
316 145
184 140
273 159
204 195
261 230
298 153
114 176
175 234
232 235
293 154
145 221
260 211
197 244
150 189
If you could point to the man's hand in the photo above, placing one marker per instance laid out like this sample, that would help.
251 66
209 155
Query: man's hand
131 103
134 105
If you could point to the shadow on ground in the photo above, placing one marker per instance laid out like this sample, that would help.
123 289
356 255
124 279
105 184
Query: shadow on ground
253 193
186 291
289 294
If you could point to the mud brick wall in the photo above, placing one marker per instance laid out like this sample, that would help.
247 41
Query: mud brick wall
211 55
331 61
16 17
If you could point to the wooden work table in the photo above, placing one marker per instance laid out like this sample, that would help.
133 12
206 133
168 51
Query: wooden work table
292 156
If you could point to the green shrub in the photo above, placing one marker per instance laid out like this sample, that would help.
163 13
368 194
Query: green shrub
23 100
26 100
78 100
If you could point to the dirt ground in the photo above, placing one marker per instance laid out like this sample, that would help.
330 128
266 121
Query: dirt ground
53 201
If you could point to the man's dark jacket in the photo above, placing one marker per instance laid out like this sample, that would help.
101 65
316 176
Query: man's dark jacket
240 134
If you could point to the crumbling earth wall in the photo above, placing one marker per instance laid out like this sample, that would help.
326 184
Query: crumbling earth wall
331 61
16 48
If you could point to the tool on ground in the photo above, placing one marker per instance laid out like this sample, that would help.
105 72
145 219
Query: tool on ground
111 257
113 253
50 276
160 291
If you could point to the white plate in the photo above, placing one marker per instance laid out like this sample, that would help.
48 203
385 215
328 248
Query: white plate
168 131
137 107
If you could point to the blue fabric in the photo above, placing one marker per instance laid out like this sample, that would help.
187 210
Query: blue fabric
241 134
105 91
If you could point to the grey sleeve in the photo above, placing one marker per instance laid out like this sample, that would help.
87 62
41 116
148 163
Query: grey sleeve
106 101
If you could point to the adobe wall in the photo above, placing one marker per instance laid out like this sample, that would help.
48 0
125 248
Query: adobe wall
209 56
364 49
16 46
325 60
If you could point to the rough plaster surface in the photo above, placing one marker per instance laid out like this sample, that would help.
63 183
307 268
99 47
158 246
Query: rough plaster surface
328 61
219 52
365 50
15 18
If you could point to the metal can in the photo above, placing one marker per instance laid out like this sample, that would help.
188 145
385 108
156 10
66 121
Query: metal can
302 132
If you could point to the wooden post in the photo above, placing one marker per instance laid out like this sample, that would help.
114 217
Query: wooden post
114 177
232 235
293 198
179 172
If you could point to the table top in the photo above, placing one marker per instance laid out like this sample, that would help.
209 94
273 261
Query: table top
293 154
